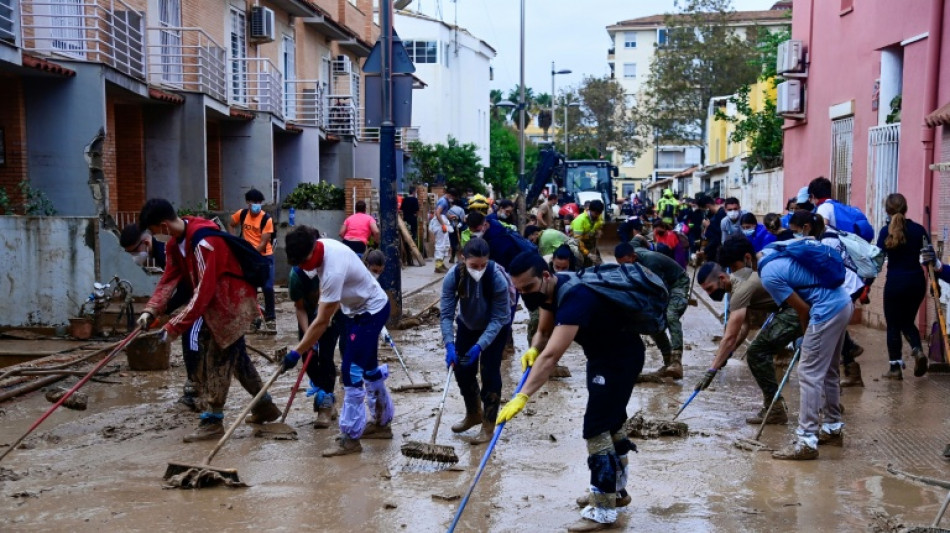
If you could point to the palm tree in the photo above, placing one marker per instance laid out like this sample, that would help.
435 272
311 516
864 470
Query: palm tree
542 109
514 95
495 96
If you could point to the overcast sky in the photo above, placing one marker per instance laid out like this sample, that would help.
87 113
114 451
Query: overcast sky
571 33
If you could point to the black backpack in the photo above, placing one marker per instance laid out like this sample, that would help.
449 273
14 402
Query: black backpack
256 267
264 219
636 292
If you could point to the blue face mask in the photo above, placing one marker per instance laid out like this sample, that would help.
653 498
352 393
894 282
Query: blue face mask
255 208
749 232
798 235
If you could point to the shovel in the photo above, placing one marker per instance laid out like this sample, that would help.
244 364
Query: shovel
280 430
755 444
196 476
692 299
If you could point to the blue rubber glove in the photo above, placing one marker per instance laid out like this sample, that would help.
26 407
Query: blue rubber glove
471 356
450 357
290 360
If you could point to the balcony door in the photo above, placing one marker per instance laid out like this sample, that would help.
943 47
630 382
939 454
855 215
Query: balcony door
238 53
169 20
289 60
66 28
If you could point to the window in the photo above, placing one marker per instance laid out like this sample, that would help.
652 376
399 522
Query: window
629 39
169 19
842 138
662 37
422 51
238 52
629 70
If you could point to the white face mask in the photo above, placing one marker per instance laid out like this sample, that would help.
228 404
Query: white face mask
478 234
140 258
311 273
733 215
476 274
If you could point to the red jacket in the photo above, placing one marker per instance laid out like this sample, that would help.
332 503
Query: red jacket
227 303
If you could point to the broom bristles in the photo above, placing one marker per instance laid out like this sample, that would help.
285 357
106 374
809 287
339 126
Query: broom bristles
430 452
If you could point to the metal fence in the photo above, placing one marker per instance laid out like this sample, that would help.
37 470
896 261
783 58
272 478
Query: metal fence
101 31
257 86
842 155
304 102
187 59
883 151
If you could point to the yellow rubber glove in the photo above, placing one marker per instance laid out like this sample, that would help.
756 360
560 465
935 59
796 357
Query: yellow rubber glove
513 407
527 359
584 250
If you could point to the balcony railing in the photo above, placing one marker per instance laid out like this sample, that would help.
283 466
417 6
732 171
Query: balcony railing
304 102
342 115
187 59
100 31
8 21
256 85
404 136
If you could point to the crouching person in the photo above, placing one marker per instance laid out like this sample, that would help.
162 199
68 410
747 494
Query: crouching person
478 289
222 298
346 285
614 360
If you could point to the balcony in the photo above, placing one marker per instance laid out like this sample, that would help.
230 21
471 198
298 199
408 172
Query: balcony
187 59
342 115
305 103
99 31
8 22
256 85
404 136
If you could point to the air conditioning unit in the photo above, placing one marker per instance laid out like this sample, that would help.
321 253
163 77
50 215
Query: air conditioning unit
263 27
791 98
791 57
342 65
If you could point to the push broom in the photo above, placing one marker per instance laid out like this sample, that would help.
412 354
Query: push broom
442 455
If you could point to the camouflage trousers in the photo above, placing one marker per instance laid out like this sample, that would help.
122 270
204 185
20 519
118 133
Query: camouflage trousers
674 311
216 365
783 329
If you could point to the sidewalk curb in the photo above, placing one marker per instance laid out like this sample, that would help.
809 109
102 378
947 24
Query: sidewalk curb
422 288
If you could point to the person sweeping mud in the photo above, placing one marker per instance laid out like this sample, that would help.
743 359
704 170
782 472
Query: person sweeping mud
475 297
614 359
749 303
347 285
225 301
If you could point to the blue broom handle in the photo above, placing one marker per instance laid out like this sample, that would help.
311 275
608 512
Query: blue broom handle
481 466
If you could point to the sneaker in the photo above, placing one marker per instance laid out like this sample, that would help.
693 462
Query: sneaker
207 430
799 451
778 416
894 373
263 413
835 438
920 362
343 446
372 431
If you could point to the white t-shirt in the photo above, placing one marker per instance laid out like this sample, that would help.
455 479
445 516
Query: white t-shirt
344 279
827 212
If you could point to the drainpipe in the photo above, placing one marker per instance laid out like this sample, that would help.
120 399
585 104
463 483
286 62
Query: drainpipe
932 84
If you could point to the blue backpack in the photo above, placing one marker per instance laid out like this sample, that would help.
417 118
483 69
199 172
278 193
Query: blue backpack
851 219
824 262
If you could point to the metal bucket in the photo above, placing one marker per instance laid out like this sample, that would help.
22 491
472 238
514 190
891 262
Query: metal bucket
148 353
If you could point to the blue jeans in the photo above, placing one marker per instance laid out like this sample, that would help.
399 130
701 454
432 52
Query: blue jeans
361 350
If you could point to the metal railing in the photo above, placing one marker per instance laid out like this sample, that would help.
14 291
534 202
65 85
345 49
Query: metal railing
124 218
256 85
187 59
883 150
100 31
342 115
304 102
408 135
404 136
8 21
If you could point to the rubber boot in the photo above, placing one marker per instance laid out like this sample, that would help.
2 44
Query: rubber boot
440 267
208 429
473 412
326 411
779 415
343 445
852 376
488 421
920 362
895 373
265 411
674 369
380 407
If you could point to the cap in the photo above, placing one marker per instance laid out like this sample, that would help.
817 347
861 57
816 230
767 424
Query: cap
802 195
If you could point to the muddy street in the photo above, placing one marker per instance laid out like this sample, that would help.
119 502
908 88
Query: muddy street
102 468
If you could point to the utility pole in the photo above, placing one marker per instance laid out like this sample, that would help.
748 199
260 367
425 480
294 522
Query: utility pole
391 278
522 185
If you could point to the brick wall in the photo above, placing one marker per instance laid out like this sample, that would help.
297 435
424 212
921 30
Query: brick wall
13 124
129 157
356 189
214 163
108 156
210 16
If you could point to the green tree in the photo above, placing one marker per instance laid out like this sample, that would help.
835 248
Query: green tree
514 96
607 120
455 164
703 57
502 174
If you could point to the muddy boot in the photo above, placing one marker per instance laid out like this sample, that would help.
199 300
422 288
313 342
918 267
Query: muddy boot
831 438
779 415
920 362
652 377
675 367
623 499
473 412
488 421
265 411
325 408
946 452
210 428
343 446
895 373
797 451
374 431
440 267
852 376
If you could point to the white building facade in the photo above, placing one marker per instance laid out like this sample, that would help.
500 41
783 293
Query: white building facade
456 67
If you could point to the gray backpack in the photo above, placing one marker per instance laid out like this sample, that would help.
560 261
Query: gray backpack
632 289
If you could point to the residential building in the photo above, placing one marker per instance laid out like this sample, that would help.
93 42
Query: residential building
456 67
634 44
875 73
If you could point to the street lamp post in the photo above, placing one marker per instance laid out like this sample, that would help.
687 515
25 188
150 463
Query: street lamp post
566 141
553 74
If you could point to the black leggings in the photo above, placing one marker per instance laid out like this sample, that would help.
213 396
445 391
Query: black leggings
903 294
322 370
611 374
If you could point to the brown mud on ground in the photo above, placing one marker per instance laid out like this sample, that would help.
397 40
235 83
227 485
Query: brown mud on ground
101 469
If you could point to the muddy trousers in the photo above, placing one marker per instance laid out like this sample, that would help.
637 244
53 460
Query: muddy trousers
674 311
360 365
191 356
216 365
818 374
783 329
322 370
489 364
268 290
903 293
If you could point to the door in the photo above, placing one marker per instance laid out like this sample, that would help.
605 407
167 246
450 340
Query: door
290 77
169 20
238 52
67 27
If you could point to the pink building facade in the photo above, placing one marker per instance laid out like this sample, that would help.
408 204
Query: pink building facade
861 54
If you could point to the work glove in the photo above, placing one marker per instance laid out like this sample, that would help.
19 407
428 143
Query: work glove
580 244
144 321
290 359
929 256
450 357
528 358
444 229
797 343
707 379
512 408
471 356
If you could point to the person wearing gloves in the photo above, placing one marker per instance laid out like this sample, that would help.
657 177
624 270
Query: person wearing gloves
730 224
221 298
586 230
614 360
475 298
441 227
347 285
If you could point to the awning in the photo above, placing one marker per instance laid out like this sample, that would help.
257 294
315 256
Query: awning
940 117
356 46
326 26
661 183
297 8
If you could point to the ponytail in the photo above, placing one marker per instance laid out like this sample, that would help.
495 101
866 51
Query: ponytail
896 207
